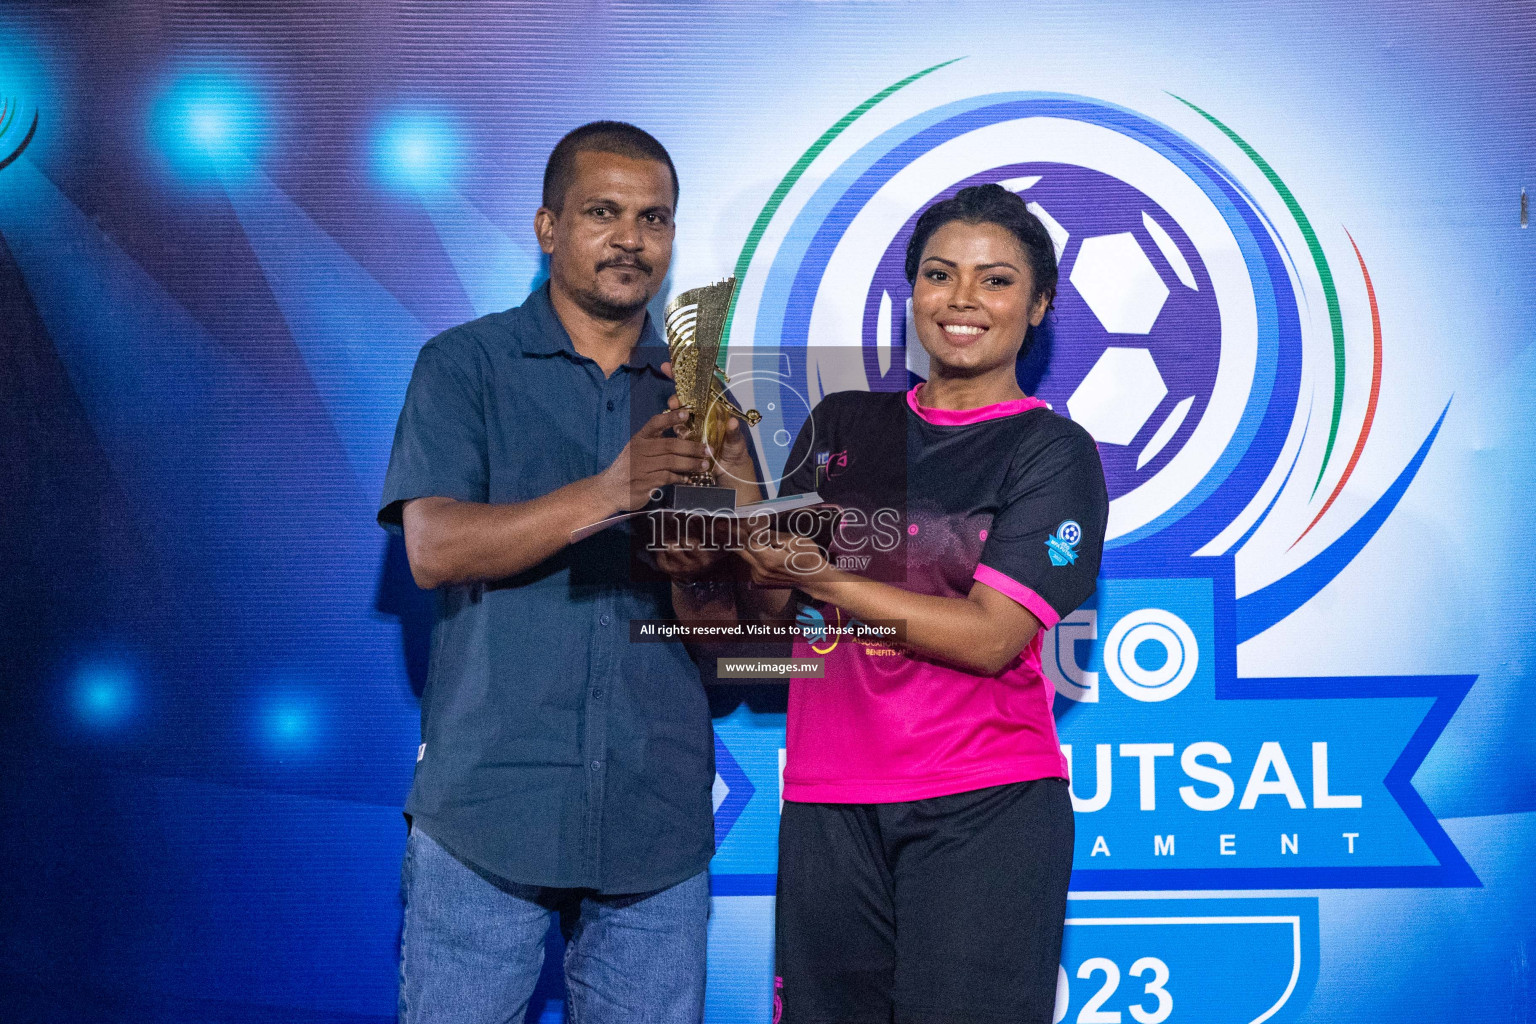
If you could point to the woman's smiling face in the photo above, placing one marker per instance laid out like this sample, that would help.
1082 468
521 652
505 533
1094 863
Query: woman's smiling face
974 298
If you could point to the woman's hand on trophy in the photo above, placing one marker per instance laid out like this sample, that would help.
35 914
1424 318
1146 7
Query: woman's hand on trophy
651 461
734 459
735 456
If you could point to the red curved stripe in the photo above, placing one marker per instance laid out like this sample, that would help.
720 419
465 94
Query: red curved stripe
1370 405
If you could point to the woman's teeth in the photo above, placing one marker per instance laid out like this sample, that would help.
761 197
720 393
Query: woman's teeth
963 330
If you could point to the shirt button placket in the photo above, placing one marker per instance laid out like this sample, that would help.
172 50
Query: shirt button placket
611 437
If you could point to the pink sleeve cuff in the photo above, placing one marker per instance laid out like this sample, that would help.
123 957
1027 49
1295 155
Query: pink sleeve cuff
1032 602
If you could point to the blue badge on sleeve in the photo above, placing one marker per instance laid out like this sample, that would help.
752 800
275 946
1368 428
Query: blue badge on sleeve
1062 545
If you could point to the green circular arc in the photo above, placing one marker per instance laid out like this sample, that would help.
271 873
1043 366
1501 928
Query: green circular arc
1330 293
1309 234
755 236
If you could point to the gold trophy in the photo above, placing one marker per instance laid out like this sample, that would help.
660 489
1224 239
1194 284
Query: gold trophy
695 321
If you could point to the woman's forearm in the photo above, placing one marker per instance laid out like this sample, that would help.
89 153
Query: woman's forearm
979 637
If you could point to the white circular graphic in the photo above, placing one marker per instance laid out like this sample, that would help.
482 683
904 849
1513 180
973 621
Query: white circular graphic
836 322
1070 532
1154 684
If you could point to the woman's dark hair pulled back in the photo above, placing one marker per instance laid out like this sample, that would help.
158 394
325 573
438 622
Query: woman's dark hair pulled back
990 204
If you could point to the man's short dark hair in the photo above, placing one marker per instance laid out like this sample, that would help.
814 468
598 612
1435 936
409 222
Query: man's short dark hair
617 137
990 204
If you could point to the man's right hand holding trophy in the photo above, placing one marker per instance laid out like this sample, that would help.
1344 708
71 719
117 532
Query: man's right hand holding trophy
695 322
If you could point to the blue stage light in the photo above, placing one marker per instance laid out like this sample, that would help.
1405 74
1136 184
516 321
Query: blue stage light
103 695
210 124
289 722
416 151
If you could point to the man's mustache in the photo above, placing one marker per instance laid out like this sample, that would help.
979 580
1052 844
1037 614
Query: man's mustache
626 261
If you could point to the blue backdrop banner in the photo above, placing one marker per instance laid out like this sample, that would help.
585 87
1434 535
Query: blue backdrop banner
1297 310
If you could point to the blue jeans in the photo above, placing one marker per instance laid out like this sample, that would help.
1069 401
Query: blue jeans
471 948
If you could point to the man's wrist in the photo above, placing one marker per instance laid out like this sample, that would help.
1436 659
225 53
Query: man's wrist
603 496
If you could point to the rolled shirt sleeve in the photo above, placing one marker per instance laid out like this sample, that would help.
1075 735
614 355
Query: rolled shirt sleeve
440 444
1047 538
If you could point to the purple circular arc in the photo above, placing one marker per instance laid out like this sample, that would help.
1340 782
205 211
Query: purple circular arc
1250 455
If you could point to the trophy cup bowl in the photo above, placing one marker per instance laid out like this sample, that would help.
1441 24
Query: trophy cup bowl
695 321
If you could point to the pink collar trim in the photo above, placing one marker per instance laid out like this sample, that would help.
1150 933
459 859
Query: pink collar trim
962 417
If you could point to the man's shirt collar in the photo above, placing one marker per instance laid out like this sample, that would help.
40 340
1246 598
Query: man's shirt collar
545 335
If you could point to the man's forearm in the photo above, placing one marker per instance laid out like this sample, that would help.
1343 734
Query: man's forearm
450 542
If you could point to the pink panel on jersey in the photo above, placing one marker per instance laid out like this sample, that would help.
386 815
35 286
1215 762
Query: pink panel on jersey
886 725
963 417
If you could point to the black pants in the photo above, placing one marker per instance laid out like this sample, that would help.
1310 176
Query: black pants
947 909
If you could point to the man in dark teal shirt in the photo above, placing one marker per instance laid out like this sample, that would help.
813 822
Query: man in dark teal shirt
562 768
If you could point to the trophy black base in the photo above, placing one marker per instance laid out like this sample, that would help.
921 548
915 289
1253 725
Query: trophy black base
694 498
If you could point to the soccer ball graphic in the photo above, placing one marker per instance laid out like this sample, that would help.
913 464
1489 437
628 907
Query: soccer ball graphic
1132 346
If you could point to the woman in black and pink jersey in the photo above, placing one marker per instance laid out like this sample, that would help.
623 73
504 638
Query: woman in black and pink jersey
926 839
